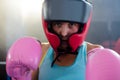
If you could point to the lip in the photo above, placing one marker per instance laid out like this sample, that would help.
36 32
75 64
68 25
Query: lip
64 43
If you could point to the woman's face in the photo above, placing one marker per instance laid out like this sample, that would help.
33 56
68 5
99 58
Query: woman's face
64 30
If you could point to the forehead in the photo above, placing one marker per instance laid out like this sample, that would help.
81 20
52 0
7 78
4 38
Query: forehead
64 22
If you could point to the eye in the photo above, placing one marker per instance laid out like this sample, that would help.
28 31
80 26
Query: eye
73 24
58 24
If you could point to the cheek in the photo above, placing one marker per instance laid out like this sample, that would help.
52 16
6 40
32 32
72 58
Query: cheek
75 29
56 30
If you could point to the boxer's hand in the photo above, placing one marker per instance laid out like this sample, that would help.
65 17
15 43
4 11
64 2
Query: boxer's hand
23 57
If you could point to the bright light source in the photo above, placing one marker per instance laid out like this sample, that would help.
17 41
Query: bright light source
25 7
30 7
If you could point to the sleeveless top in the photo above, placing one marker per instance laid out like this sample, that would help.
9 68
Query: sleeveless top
76 71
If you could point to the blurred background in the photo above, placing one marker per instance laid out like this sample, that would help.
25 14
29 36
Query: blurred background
20 18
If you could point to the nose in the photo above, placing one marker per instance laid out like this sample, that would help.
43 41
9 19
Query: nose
64 31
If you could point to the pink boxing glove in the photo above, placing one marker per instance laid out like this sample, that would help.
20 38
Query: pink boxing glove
23 57
103 64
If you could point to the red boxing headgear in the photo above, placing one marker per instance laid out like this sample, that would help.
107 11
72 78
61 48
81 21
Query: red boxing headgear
66 10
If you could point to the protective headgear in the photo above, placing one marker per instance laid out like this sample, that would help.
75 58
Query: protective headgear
66 10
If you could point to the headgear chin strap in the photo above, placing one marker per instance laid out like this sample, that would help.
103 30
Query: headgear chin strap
66 10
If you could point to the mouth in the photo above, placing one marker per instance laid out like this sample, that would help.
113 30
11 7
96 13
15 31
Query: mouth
63 46
64 43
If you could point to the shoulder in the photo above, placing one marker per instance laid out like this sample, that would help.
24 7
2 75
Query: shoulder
45 46
91 46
